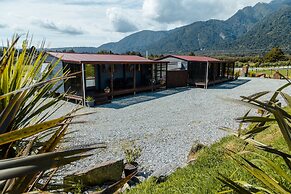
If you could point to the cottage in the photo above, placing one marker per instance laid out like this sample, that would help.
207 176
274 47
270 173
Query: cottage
105 76
197 70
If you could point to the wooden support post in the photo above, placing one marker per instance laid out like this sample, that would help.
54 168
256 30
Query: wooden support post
152 79
83 84
161 70
214 71
111 80
124 73
134 79
220 70
227 71
99 77
166 75
233 69
206 77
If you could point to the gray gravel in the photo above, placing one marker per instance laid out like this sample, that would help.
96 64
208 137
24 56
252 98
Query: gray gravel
164 124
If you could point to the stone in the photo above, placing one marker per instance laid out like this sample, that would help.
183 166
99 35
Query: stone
193 154
125 187
261 75
99 174
277 75
141 178
162 174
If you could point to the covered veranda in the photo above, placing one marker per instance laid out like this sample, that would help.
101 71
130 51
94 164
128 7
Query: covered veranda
210 73
197 70
105 76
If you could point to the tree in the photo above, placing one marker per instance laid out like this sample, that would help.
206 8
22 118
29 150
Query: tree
71 50
103 52
133 53
276 54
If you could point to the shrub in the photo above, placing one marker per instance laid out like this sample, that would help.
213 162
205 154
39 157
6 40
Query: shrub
29 137
89 99
132 154
271 111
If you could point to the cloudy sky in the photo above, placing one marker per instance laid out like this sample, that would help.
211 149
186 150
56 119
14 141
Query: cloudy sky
94 22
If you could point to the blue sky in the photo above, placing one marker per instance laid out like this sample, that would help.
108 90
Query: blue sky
94 22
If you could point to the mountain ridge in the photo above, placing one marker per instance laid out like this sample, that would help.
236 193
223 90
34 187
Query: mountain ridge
249 28
201 35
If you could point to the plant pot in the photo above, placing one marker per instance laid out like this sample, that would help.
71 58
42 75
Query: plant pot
130 168
90 103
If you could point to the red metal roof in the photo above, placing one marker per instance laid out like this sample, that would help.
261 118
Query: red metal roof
100 58
193 58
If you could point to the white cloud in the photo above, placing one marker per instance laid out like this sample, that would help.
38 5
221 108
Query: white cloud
121 23
185 11
102 21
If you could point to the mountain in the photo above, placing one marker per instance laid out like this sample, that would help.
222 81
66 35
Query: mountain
76 49
246 18
272 31
249 25
135 41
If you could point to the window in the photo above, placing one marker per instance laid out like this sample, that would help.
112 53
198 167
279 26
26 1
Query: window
90 75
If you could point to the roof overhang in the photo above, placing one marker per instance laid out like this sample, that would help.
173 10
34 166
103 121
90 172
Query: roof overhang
95 59
199 59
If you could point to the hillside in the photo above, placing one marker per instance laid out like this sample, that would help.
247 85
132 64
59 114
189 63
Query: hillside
274 30
135 41
76 49
210 35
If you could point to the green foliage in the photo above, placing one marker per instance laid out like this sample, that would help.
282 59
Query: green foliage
270 73
278 181
154 57
71 50
105 52
133 53
29 137
217 167
274 55
90 99
191 54
90 70
201 175
132 154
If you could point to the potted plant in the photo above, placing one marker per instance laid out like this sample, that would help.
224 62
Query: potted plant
131 155
107 90
90 101
163 82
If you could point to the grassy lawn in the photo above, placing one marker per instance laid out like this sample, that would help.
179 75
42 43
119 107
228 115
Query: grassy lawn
201 176
270 73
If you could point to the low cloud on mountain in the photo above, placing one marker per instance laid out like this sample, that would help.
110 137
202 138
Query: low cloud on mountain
120 22
185 11
65 29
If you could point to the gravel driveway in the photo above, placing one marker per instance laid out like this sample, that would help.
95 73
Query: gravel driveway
164 124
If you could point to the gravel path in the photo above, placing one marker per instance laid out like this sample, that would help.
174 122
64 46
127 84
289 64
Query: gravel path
164 124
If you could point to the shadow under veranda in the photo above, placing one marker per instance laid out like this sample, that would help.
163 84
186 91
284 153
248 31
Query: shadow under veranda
230 84
122 102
